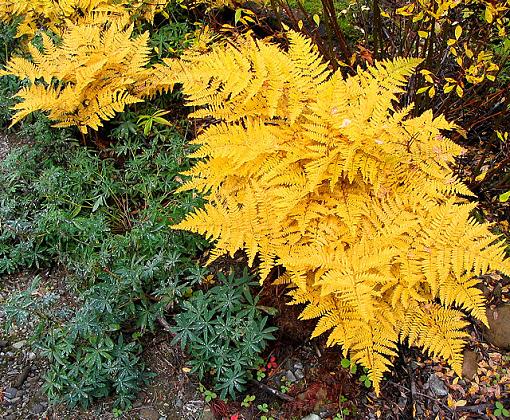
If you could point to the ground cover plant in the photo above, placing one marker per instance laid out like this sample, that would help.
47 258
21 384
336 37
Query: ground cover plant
341 177
225 331
109 226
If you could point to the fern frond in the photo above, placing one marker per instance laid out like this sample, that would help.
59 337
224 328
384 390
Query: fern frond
438 331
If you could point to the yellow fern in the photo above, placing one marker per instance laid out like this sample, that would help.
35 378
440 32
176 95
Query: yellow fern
59 15
328 178
85 80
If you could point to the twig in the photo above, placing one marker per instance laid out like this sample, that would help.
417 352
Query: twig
482 407
412 386
164 323
273 391
436 400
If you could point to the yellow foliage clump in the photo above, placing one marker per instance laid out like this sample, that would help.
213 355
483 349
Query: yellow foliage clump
57 15
330 179
86 79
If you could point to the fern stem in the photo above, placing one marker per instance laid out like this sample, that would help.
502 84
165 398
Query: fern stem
329 8
378 33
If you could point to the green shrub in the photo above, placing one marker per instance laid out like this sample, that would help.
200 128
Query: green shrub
105 217
224 331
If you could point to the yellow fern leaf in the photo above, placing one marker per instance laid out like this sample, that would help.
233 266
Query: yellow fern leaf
439 331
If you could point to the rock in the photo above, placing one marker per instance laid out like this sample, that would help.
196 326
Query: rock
291 378
20 380
499 322
470 364
402 402
311 417
149 413
10 417
299 374
14 401
298 365
37 409
31 355
3 343
18 345
437 386
10 393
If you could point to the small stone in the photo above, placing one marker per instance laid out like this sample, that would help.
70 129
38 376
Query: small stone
31 355
3 343
311 417
402 402
298 365
470 364
21 378
499 322
10 417
149 413
290 376
10 393
437 386
37 409
299 374
14 401
18 345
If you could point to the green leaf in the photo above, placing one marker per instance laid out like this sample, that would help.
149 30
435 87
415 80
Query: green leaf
504 198
345 363
99 201
268 310
237 16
